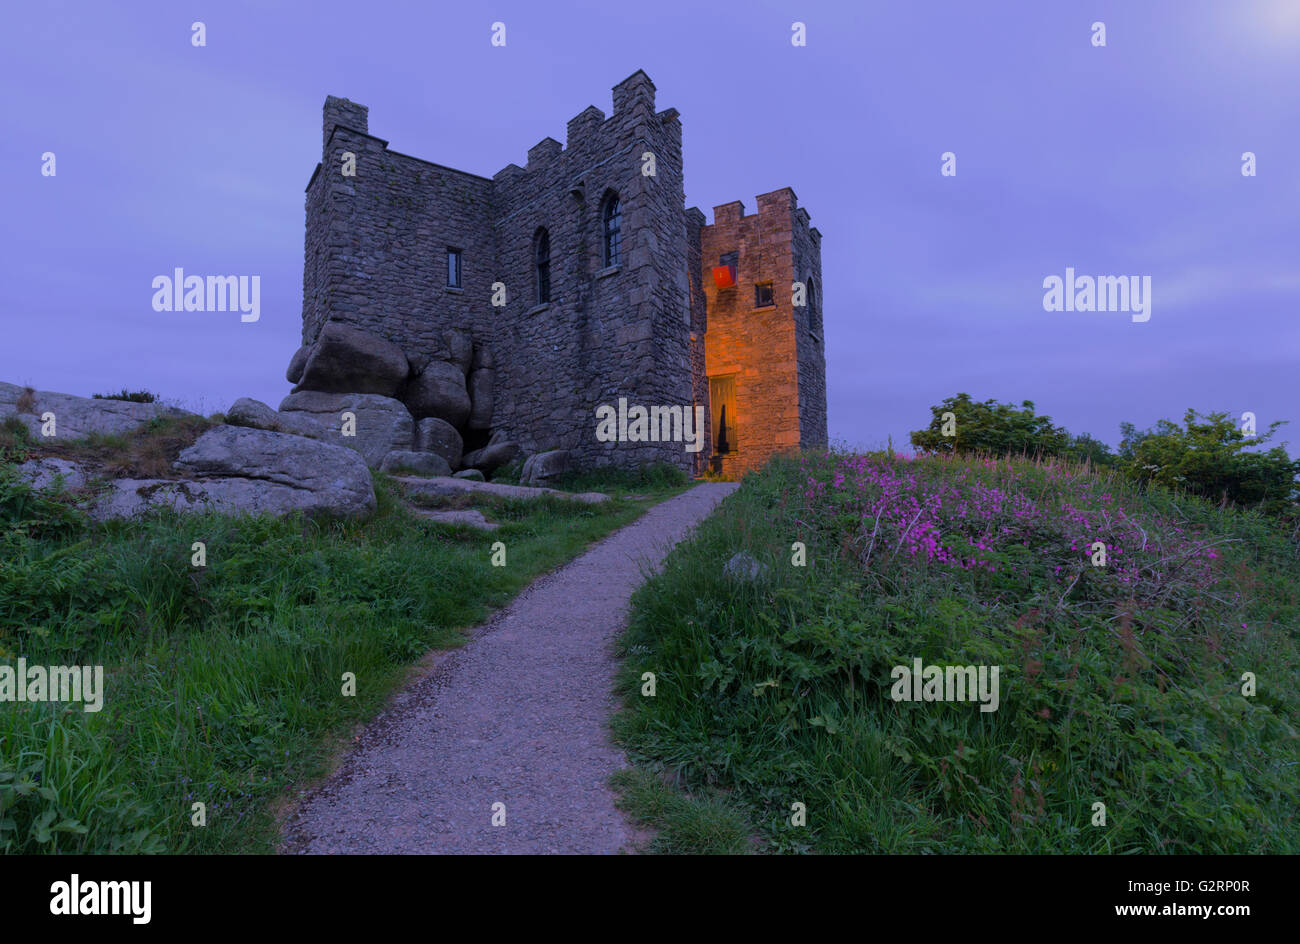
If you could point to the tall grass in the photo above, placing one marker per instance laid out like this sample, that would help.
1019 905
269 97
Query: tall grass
1120 684
224 682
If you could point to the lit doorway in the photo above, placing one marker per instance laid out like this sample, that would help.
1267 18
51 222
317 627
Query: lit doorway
722 406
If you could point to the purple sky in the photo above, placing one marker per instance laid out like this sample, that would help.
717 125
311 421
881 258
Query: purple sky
1123 160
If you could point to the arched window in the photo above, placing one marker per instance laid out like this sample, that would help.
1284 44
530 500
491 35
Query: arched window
613 219
542 263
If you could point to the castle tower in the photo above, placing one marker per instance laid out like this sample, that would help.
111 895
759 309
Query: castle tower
615 321
765 362
569 284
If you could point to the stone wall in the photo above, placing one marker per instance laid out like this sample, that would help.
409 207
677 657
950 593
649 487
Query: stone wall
607 332
810 334
696 272
759 347
376 246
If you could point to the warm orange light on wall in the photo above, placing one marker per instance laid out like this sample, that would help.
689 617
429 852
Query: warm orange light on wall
724 276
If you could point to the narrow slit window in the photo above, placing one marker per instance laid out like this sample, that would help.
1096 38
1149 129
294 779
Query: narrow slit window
453 268
763 295
542 260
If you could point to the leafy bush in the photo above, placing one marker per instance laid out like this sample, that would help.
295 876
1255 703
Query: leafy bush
15 440
1207 457
25 512
998 429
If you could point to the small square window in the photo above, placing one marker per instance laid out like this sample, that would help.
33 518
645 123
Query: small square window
763 295
453 268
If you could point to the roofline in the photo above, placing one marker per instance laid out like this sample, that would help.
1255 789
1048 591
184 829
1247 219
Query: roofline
384 142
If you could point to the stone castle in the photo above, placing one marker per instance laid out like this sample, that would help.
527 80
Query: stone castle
524 302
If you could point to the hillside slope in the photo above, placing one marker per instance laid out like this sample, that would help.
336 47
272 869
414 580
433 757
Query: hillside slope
1119 683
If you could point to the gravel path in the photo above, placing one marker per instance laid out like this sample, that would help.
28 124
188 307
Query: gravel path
517 716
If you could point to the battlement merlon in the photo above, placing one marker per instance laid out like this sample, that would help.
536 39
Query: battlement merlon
728 214
636 91
777 205
775 208
348 114
582 124
542 153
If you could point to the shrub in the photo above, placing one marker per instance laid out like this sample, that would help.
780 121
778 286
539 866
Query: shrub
1207 456
15 440
994 429
133 396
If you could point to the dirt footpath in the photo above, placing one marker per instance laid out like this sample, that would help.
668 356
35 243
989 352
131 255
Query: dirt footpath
518 716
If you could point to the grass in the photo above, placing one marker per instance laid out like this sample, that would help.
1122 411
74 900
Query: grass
681 823
1120 684
613 481
224 682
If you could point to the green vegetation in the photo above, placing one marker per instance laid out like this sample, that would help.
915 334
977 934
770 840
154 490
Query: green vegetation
997 429
680 824
1207 456
224 681
15 439
650 477
146 452
659 475
1119 684
132 396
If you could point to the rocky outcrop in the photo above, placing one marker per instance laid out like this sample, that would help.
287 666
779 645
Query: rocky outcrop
481 383
406 462
440 437
233 470
345 359
433 349
439 391
382 423
461 348
77 417
329 477
545 465
296 364
48 473
248 412
129 498
443 487
474 475
448 385
492 457
468 517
